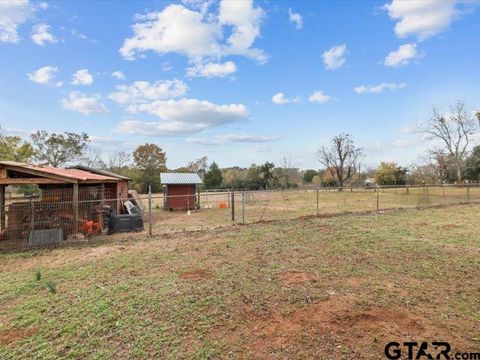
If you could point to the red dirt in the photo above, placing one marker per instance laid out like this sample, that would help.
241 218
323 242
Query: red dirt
340 327
196 275
13 335
297 277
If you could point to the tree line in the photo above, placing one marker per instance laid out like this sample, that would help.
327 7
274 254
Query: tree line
454 157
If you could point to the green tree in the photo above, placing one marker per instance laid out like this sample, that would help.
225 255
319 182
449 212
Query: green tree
266 173
389 173
213 177
308 175
59 149
12 148
472 164
151 160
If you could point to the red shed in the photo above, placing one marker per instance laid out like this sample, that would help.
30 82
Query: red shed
180 191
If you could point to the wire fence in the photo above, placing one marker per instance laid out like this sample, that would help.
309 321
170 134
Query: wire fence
44 222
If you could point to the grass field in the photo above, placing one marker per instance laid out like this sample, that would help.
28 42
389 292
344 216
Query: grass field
329 288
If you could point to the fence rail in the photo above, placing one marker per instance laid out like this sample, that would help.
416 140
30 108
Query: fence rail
41 222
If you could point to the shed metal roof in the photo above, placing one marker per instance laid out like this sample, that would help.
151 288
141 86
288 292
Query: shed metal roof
179 178
100 172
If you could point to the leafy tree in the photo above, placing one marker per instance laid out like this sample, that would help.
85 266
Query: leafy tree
59 149
213 177
389 173
12 148
266 173
472 164
253 178
308 175
151 160
341 158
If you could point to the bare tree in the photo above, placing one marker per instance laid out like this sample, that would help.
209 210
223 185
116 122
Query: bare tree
454 130
341 158
118 161
92 158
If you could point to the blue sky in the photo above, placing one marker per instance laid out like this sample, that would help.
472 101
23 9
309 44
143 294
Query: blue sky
238 81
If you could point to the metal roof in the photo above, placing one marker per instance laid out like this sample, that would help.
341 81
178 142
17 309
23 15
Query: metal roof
72 174
179 178
100 172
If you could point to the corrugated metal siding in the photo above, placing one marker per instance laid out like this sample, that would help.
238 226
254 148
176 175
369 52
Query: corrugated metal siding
179 178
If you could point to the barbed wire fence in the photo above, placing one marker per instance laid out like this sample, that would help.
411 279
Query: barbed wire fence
46 222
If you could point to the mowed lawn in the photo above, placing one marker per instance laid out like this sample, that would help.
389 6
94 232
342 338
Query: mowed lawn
332 288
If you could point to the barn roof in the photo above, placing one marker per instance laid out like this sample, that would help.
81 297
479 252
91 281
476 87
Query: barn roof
100 172
179 178
69 175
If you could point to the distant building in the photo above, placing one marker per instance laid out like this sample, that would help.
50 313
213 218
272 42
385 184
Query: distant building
180 191
370 182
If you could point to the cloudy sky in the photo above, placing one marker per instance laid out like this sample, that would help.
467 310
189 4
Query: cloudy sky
238 81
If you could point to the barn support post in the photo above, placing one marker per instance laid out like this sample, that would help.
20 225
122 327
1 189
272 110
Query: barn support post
2 207
102 203
75 208
150 209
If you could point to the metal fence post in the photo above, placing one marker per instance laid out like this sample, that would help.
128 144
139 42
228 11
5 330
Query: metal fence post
150 209
468 193
318 210
378 198
233 205
243 207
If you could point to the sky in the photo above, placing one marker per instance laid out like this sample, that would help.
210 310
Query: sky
240 82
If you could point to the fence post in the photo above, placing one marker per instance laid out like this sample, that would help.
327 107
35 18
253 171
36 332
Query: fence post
468 193
243 207
318 210
233 205
150 209
378 197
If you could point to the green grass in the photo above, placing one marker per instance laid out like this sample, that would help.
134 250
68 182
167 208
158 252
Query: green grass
227 293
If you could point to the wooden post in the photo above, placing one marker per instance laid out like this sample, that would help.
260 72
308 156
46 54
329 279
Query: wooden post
2 207
378 198
468 193
75 208
102 203
318 210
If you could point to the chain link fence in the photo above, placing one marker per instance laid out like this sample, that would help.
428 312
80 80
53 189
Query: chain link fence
43 222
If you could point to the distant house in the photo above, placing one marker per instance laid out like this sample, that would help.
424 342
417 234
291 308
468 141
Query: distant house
180 191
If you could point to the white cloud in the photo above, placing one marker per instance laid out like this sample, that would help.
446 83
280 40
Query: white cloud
377 89
335 57
233 138
43 75
422 18
84 104
41 35
319 97
143 91
402 56
198 34
184 116
280 99
210 70
43 5
295 18
13 13
118 75
82 77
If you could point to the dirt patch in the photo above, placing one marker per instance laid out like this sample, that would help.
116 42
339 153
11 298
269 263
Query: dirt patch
339 324
449 226
196 275
296 277
422 224
11 336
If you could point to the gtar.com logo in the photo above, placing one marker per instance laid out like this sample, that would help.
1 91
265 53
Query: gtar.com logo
412 350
